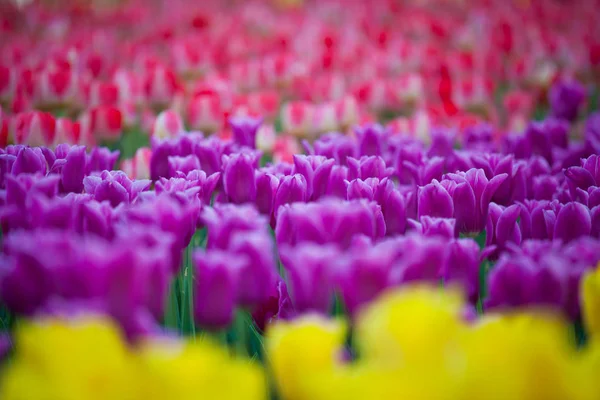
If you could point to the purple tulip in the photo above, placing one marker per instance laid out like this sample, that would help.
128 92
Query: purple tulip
433 226
266 188
462 266
210 152
422 259
368 167
309 271
225 220
514 186
238 177
372 140
435 201
328 221
393 205
362 275
193 183
258 272
502 226
359 189
20 187
442 143
572 221
566 99
291 189
100 159
479 137
29 160
161 151
333 145
182 165
216 287
115 187
316 170
244 130
405 158
472 193
592 133
426 172
278 306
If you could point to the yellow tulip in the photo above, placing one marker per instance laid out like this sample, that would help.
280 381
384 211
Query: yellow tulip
82 359
411 326
590 294
301 350
523 356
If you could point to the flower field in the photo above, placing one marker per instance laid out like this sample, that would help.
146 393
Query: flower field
299 199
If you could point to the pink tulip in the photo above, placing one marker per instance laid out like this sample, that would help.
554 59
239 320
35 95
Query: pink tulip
297 117
106 123
168 124
205 112
67 131
34 128
138 167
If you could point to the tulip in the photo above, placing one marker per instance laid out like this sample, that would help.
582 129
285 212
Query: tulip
258 272
434 200
462 266
29 160
566 99
362 275
245 130
210 152
67 131
73 170
292 188
371 140
160 86
196 182
106 123
238 177
303 222
502 226
168 124
590 294
225 220
297 117
368 167
434 226
316 170
115 187
161 151
278 306
206 112
138 167
35 128
182 165
100 159
572 221
104 94
308 268
472 195
216 287
266 187
334 145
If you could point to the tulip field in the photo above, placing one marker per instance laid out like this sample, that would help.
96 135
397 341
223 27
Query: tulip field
299 199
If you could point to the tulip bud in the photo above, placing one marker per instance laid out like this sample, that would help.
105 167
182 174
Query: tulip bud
205 112
168 124
296 118
106 123
216 286
238 177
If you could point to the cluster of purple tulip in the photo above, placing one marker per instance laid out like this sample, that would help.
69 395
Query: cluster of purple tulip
515 221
